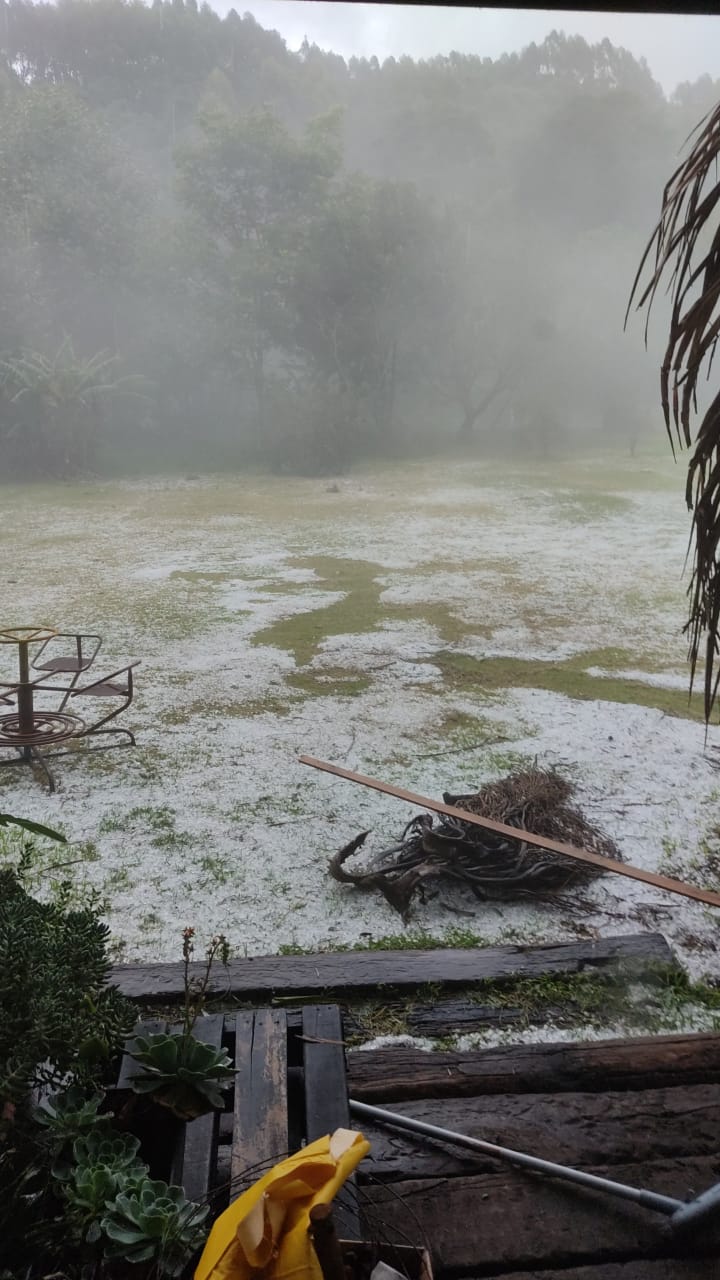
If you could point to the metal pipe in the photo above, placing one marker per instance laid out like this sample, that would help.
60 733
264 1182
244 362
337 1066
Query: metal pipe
703 1206
649 1199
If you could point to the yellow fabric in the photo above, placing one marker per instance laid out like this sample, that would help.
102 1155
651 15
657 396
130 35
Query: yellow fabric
266 1228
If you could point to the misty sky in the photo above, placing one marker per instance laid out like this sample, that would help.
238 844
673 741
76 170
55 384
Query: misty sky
677 47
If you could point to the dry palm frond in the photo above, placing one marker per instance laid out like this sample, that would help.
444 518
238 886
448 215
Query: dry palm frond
686 246
488 864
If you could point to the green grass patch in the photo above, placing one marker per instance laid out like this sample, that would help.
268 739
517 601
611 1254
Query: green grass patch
466 674
359 612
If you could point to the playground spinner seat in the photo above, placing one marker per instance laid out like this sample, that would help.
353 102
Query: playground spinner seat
118 684
64 663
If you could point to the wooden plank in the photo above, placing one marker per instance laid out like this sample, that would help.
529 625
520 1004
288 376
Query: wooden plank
260 1132
571 1128
128 1066
514 1221
708 896
326 1100
359 970
401 1073
639 1269
198 1149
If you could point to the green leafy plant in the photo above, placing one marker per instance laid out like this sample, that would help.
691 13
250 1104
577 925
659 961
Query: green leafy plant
154 1223
36 828
61 1024
180 1071
59 1014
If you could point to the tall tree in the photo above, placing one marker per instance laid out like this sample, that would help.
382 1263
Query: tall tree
253 189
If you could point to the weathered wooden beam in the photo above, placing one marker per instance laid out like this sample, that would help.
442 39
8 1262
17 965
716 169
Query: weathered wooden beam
260 1131
365 970
386 1075
451 1017
513 1220
326 1097
569 1128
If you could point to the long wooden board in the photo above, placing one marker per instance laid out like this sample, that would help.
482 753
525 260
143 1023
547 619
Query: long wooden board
571 1128
326 1098
260 1132
362 970
401 1074
708 896
513 1220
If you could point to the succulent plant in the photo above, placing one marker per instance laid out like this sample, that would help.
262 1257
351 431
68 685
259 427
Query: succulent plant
71 1114
182 1073
117 1151
156 1223
103 1165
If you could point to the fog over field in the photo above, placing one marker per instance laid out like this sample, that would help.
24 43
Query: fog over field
316 397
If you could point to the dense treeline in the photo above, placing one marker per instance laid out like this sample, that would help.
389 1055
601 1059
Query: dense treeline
218 252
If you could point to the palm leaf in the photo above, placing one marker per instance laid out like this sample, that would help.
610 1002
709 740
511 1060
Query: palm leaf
36 828
684 249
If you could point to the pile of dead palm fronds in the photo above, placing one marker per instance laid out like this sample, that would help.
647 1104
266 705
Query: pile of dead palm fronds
491 865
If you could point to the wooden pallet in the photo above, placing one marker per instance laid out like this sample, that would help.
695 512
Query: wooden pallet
290 1088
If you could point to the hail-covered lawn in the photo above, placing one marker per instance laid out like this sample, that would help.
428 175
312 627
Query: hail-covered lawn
434 624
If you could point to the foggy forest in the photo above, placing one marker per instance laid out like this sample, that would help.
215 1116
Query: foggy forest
359 649
330 430
218 253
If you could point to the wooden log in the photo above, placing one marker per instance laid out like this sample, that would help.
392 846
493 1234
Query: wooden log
638 1269
513 1220
386 1075
365 970
197 1148
450 1017
260 1131
326 1098
571 1128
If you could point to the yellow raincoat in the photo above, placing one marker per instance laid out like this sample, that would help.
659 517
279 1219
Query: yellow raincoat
266 1228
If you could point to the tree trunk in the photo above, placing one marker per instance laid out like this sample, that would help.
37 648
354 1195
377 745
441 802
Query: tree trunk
471 412
258 377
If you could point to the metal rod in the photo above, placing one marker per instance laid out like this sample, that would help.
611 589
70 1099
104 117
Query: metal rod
649 1199
708 896
703 1206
